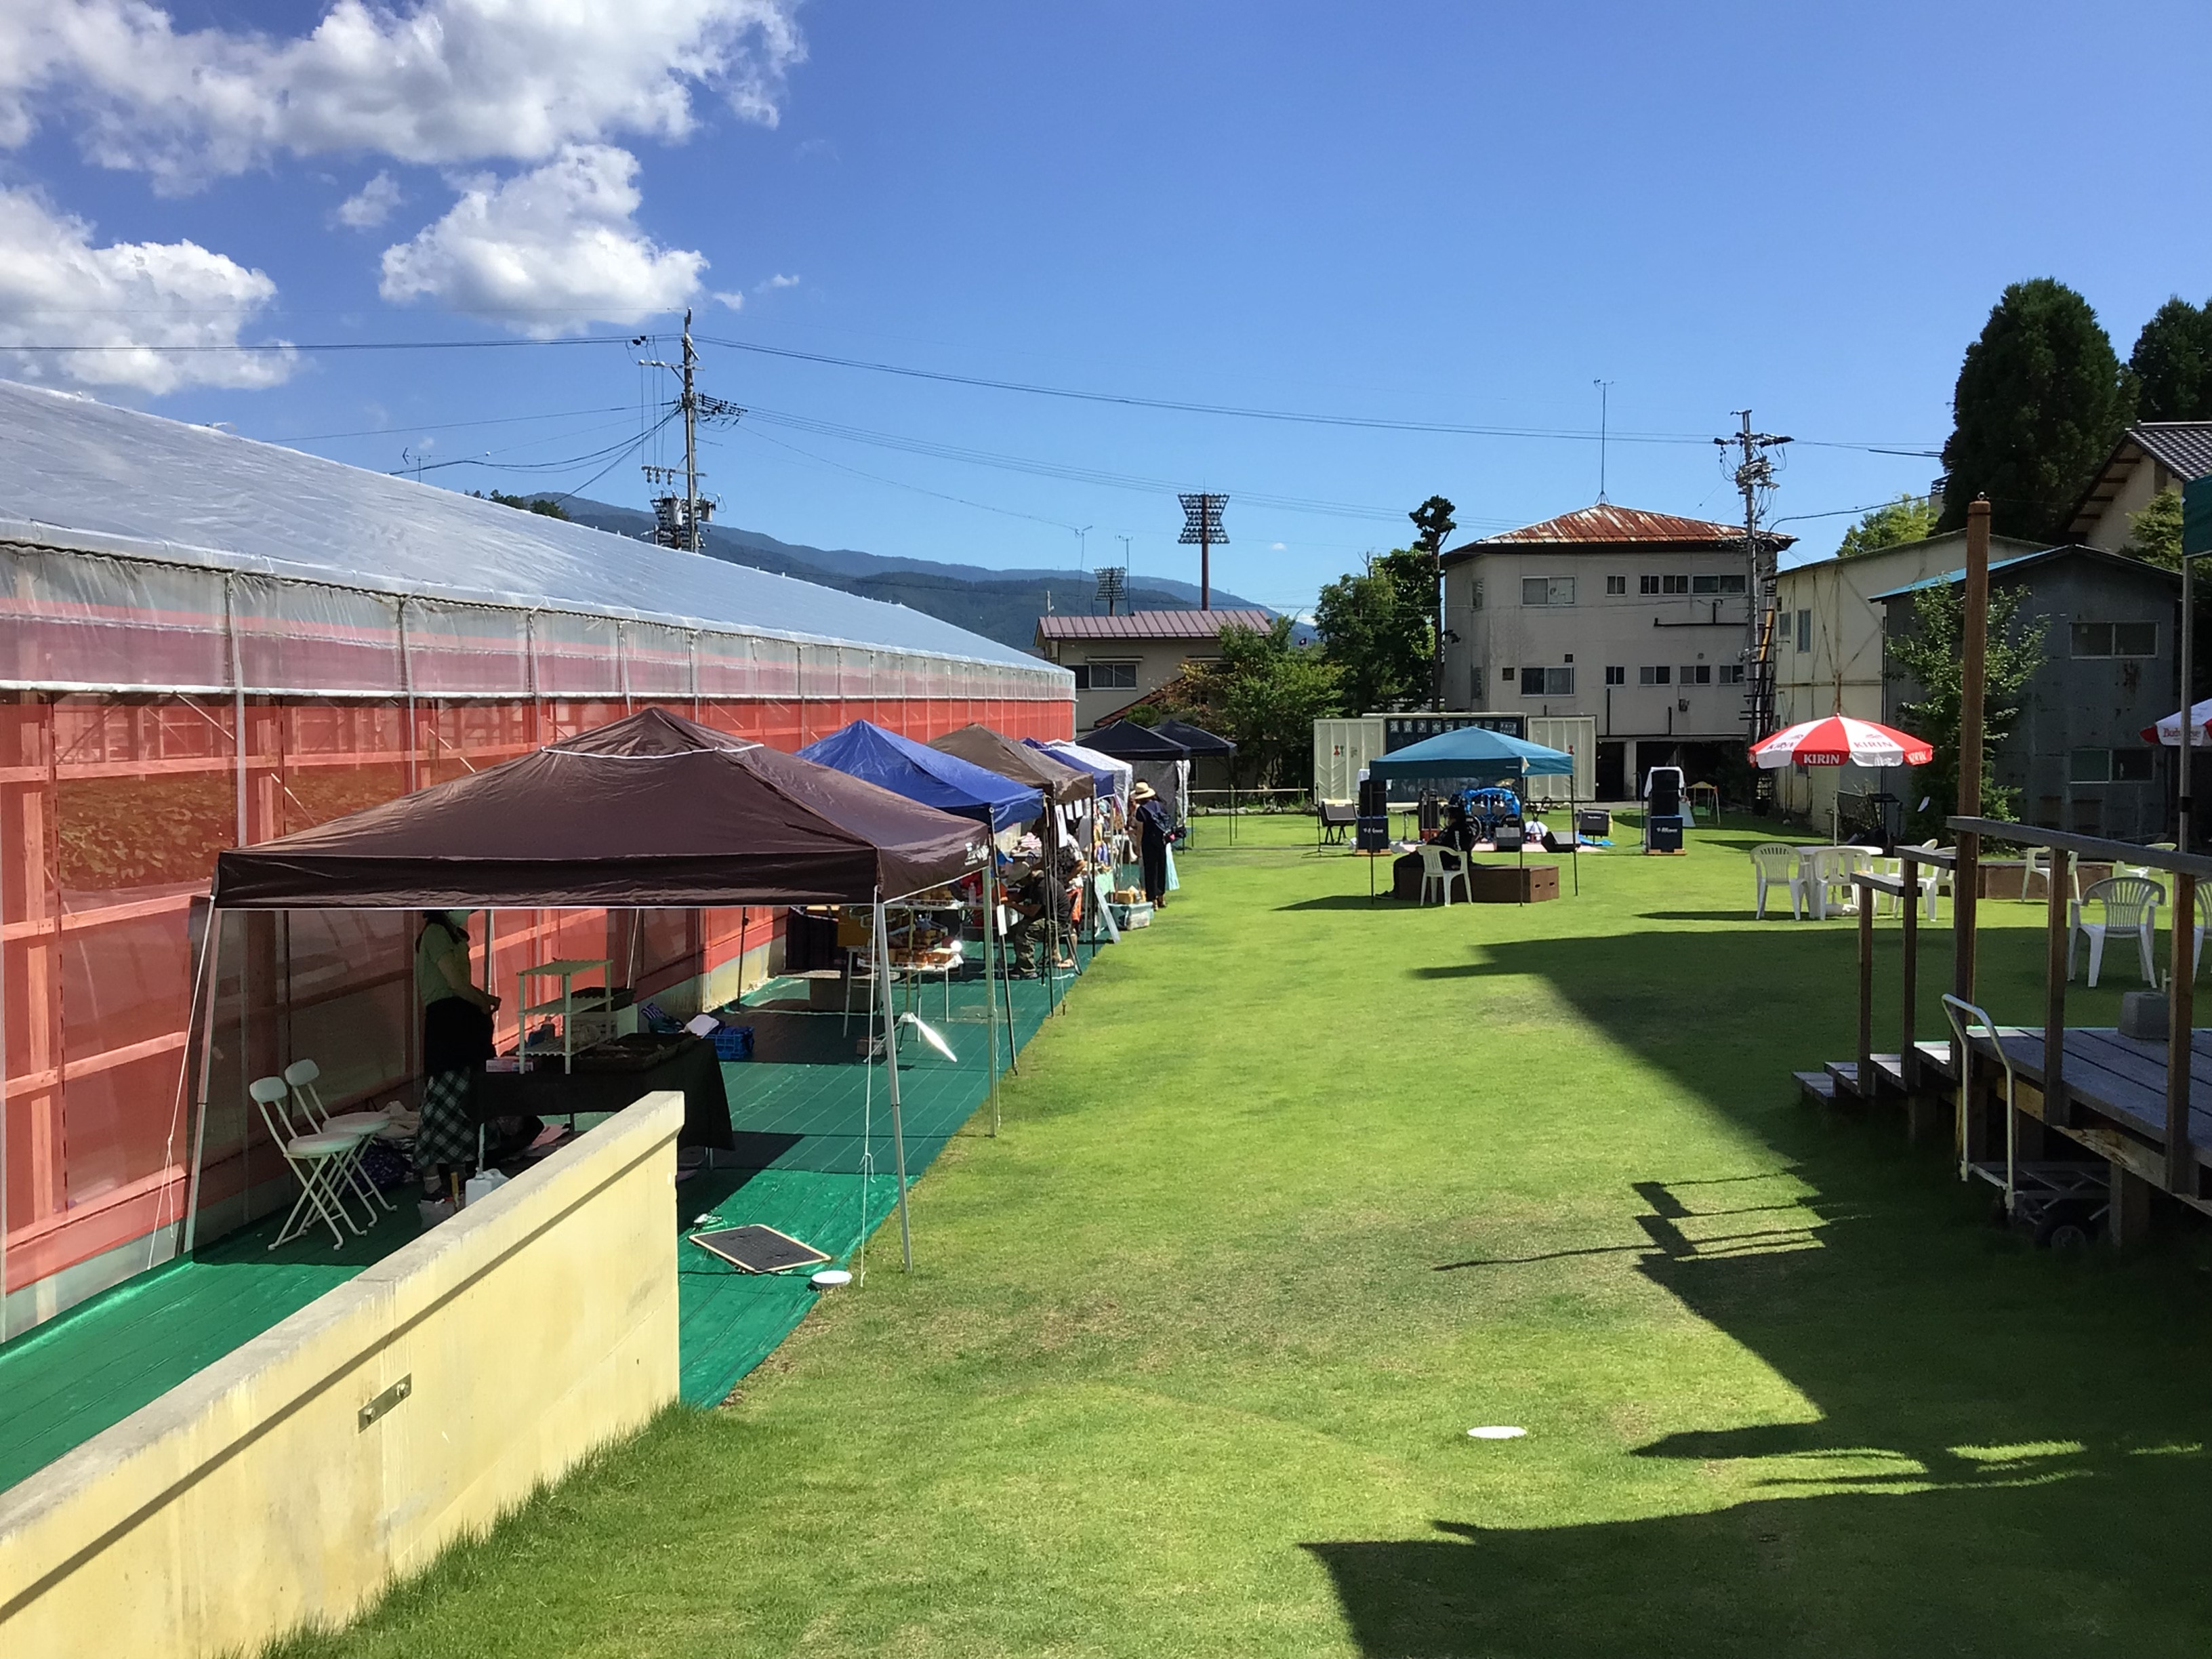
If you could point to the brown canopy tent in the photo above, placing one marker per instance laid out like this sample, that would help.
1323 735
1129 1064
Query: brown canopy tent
981 746
652 811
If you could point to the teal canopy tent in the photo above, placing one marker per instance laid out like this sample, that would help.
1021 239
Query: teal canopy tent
1474 754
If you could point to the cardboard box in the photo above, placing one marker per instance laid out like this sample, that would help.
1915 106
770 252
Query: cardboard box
1509 883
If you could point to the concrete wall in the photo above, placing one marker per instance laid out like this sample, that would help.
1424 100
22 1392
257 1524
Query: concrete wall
2145 479
251 1498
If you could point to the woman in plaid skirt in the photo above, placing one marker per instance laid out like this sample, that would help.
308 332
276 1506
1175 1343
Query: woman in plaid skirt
457 1039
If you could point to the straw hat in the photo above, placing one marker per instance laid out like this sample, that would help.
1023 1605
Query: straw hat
1143 792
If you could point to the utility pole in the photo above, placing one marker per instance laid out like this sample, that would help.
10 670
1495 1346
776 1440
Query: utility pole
1754 477
1604 407
678 518
1201 523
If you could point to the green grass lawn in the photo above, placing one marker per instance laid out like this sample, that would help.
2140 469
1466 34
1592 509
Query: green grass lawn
1300 1190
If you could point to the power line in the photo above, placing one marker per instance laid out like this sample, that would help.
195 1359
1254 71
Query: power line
449 426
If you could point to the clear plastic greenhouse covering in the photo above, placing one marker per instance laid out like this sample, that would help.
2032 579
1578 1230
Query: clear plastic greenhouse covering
209 643
147 553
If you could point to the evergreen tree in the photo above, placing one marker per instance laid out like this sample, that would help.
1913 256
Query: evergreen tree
2172 363
2154 530
1376 626
2040 400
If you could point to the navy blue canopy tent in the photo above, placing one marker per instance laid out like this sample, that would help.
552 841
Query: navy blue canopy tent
865 750
1475 754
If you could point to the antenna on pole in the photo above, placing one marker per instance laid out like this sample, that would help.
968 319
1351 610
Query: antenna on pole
1604 399
677 518
1201 523
1753 476
1082 552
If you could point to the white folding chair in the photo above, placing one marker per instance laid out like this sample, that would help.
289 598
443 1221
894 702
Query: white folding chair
1776 864
301 1077
1435 874
1965 1017
2127 904
1927 877
2203 917
318 1160
2037 868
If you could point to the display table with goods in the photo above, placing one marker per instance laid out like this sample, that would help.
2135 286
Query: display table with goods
1486 883
612 1076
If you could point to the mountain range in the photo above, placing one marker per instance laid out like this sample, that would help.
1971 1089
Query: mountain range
999 604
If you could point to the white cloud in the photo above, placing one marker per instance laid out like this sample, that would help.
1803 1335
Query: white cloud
547 251
434 81
1277 547
736 301
55 287
781 281
371 205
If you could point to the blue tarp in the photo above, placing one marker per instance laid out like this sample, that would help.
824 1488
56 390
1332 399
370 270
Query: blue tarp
865 750
1473 753
1108 782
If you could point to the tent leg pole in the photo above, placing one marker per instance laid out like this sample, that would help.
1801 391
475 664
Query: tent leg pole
891 1065
991 984
210 950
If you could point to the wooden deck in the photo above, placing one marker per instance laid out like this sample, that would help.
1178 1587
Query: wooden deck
2119 1079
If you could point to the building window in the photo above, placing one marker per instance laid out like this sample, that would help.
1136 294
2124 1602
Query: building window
2131 765
1716 584
1660 676
2115 639
1616 677
1804 630
1616 584
1105 675
2089 766
1477 593
1647 584
1548 682
1696 673
1673 584
1547 590
1509 675
1729 674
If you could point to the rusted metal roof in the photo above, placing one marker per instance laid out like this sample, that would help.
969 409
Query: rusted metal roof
1608 526
1153 625
2183 447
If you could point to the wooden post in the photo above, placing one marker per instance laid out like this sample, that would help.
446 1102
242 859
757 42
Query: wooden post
1966 878
1908 1055
2056 1111
1866 990
2180 1157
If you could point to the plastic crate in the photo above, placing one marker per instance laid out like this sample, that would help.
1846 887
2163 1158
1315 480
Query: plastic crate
733 1043
1127 916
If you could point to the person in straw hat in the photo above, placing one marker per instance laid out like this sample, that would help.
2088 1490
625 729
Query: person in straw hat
1151 826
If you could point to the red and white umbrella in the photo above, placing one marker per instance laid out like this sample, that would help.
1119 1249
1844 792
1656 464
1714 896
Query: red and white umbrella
2168 731
1838 739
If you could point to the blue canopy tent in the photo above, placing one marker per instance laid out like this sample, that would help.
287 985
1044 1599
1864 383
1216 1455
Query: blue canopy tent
1473 753
865 751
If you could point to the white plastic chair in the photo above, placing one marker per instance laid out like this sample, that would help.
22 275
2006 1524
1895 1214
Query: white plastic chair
1927 877
1964 1016
2203 918
2130 905
2142 870
1776 864
2037 868
301 1077
318 1160
1434 874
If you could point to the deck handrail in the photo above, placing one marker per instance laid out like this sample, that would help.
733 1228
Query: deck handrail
2096 848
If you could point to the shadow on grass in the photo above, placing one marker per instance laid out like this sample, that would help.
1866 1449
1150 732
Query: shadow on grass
1994 1450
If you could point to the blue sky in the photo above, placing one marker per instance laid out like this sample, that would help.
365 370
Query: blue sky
1445 214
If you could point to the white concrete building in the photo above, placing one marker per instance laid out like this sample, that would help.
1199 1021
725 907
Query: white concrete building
1640 621
2151 456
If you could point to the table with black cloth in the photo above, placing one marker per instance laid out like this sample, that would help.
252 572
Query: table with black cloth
693 1071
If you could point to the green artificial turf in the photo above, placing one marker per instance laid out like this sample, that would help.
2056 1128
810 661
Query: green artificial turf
1302 1189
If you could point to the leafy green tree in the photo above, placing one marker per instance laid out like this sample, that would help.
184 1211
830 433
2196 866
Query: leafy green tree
1378 626
2172 363
2154 530
1264 694
1433 524
2040 400
1933 655
544 506
1908 519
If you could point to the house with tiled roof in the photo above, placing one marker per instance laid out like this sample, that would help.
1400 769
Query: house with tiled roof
2150 456
1641 621
1118 661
